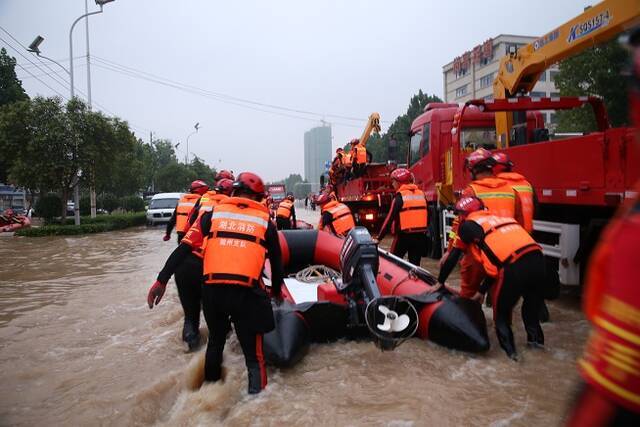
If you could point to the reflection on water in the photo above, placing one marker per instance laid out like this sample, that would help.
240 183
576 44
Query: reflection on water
78 346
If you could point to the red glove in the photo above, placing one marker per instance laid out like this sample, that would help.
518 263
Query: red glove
155 293
166 237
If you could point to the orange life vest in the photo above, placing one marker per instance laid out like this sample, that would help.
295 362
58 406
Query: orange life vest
185 204
413 215
236 246
284 209
611 362
341 217
194 236
504 241
524 198
361 154
346 160
497 196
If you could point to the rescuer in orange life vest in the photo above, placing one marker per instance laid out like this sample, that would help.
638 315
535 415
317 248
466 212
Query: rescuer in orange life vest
188 272
358 157
610 366
286 213
407 217
497 196
335 217
525 196
513 263
239 237
180 216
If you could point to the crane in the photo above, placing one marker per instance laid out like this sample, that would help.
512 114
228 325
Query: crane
520 69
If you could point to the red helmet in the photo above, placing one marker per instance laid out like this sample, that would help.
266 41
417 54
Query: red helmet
199 187
354 141
250 182
480 158
339 150
224 174
324 198
466 205
224 186
9 212
502 160
402 175
290 196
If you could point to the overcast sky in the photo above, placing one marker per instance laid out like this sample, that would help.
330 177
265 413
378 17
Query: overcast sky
342 59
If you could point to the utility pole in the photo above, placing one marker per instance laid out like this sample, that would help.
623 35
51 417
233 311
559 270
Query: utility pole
92 178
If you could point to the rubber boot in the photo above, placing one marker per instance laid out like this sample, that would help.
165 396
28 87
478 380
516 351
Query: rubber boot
191 335
255 380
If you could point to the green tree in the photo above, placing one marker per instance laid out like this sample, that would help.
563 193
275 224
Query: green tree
399 130
596 71
200 170
11 89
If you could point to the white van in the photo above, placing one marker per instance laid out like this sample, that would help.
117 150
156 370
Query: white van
161 207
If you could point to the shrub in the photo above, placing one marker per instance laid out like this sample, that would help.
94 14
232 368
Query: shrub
132 204
88 225
49 206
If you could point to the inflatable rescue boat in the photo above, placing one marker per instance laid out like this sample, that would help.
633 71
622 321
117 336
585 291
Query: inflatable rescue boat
10 223
375 294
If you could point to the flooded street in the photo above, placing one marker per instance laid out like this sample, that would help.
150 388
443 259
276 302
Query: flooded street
79 346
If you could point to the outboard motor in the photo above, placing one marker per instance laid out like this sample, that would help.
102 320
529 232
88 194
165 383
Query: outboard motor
390 319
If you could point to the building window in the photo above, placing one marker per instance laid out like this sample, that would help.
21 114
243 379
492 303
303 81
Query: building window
543 77
553 74
461 72
485 60
553 119
487 80
537 94
488 98
510 47
461 91
555 95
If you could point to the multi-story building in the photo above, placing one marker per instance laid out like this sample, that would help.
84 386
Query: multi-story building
317 151
471 75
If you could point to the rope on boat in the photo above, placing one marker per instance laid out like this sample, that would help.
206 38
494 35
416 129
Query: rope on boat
316 273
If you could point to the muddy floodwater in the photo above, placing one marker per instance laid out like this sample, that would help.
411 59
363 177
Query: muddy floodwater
79 346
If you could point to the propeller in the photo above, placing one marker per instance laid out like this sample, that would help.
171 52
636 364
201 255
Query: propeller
393 322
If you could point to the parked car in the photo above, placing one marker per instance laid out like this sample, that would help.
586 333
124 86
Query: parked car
161 207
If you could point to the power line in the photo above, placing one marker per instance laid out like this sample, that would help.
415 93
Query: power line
222 95
57 72
201 92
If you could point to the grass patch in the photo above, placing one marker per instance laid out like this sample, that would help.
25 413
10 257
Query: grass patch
87 225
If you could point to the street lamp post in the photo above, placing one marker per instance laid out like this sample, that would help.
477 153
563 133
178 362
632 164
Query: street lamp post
196 127
34 47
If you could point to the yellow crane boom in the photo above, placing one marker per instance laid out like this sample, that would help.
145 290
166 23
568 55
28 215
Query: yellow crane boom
373 125
519 71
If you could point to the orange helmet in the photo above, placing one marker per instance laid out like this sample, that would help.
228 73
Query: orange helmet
466 205
402 175
250 182
502 161
480 159
224 186
324 198
224 174
199 187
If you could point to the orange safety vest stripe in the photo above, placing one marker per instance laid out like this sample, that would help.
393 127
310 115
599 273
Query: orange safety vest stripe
236 248
284 209
524 198
504 241
185 204
346 159
342 219
361 154
413 215
497 196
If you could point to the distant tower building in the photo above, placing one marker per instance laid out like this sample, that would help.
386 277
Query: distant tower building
317 151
